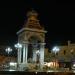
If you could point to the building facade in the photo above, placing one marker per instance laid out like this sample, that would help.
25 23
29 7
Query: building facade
65 56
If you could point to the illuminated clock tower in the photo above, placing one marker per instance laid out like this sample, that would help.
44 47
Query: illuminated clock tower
32 38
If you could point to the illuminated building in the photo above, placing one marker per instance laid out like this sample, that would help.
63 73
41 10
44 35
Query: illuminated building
32 39
65 56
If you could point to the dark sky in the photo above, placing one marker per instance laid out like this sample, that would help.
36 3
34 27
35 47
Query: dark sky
58 18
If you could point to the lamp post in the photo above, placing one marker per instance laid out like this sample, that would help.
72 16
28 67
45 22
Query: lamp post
8 50
38 56
18 46
55 50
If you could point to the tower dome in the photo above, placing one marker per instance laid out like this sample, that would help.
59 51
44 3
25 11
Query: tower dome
32 13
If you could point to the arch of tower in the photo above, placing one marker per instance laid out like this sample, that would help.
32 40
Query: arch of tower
32 38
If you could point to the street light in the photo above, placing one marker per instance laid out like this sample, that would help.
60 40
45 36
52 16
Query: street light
55 50
37 52
8 50
18 45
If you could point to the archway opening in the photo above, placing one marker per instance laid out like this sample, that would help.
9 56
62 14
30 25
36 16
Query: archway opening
33 47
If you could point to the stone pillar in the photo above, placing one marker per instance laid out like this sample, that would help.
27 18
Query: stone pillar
26 45
69 42
41 54
19 55
25 52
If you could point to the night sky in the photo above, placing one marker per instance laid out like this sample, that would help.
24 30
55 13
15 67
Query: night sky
58 18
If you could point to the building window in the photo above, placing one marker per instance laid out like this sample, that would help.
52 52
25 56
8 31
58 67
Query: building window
72 51
64 52
57 54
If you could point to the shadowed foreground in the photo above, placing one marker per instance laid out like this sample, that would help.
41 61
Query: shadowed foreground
34 73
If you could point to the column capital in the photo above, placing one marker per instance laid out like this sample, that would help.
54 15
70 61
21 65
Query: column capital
25 42
42 43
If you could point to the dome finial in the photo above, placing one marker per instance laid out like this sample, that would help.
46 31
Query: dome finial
32 13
